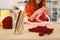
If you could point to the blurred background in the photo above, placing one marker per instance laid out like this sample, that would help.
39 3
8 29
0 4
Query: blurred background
54 6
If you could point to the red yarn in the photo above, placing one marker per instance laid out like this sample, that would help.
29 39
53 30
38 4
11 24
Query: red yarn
7 22
41 30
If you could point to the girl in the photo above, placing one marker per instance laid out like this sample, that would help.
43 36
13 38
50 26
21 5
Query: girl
44 15
36 10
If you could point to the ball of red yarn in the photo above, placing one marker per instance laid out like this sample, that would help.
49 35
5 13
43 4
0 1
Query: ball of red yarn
7 22
42 30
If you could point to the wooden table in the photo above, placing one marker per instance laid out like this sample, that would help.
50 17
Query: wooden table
6 34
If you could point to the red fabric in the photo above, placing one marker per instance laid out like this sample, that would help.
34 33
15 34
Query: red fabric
43 17
30 10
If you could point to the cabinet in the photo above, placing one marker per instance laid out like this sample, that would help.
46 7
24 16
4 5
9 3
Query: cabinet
54 6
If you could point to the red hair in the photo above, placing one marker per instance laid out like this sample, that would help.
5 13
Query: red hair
32 2
42 3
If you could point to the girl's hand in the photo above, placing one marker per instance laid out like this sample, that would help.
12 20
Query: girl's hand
47 10
37 12
38 19
40 11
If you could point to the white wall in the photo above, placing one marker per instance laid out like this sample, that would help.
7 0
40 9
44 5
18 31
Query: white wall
8 4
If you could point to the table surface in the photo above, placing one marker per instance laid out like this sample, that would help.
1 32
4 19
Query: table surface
26 35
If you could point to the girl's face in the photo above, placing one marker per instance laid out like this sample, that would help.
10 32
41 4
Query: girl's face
38 1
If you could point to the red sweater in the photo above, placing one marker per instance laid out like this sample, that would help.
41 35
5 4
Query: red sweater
30 10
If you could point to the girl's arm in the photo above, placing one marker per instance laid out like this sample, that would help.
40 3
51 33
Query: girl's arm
47 16
38 19
46 13
37 12
47 10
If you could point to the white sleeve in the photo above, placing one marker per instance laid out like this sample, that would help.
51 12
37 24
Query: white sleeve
40 11
38 19
47 16
37 12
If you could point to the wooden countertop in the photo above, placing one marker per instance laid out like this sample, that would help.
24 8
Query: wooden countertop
6 34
